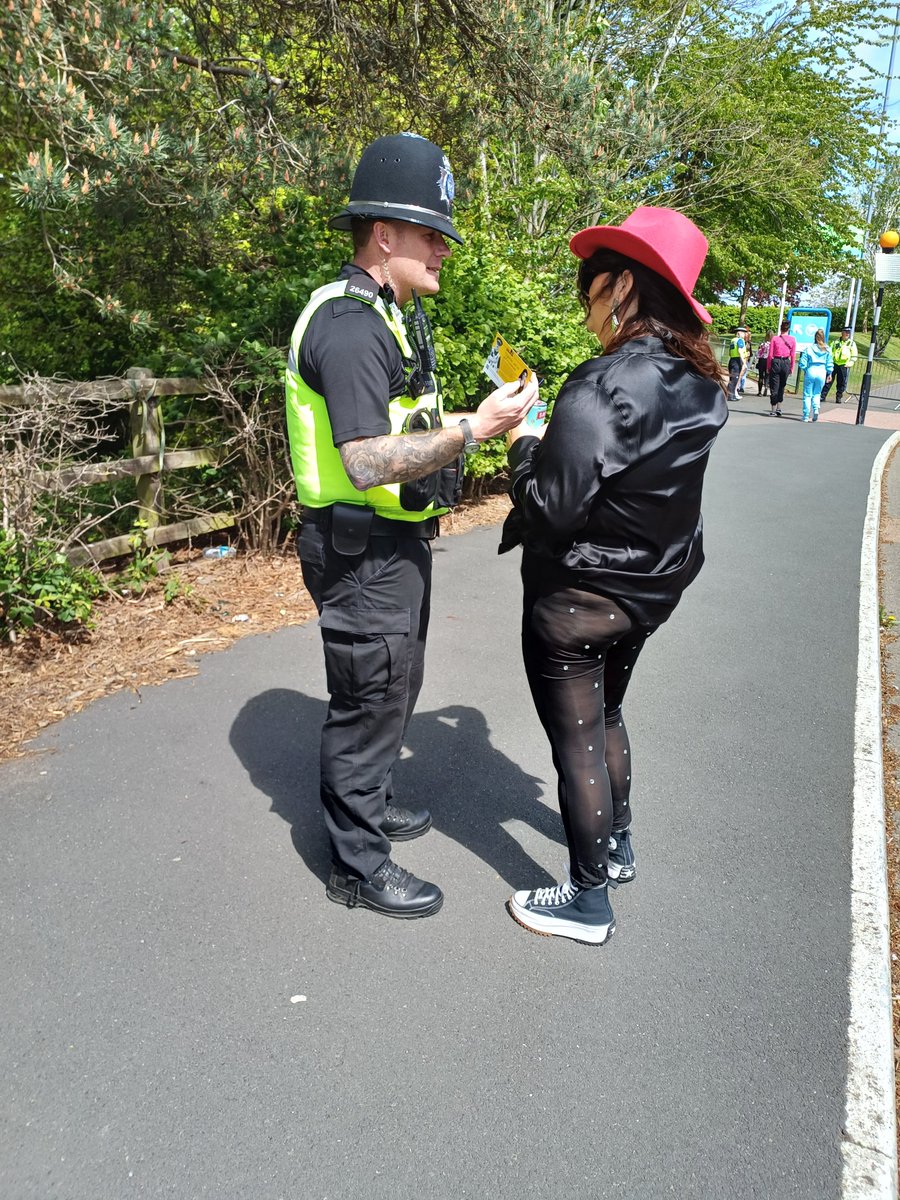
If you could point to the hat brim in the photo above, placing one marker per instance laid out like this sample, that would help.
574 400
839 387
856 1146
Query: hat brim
611 237
394 212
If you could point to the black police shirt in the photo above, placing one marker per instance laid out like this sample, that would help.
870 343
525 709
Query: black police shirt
349 356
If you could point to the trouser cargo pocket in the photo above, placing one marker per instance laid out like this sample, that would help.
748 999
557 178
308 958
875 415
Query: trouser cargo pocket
366 653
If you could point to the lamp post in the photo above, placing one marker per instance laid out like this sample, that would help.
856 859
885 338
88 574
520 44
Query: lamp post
888 242
783 297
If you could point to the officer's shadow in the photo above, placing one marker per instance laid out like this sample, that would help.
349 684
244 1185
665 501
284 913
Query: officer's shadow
451 768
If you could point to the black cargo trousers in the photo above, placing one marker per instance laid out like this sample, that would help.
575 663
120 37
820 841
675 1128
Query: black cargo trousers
373 614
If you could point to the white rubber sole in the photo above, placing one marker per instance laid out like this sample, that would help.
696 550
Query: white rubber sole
546 926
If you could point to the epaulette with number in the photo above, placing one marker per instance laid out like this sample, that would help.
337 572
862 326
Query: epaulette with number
362 287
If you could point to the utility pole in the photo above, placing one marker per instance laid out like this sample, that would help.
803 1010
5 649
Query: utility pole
850 303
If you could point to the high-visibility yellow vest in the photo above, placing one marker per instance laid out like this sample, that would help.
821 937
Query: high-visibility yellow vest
738 350
318 470
844 352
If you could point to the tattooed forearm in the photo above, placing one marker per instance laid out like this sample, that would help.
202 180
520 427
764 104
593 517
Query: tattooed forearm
398 459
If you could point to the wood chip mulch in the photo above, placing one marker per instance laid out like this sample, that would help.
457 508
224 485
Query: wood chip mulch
139 640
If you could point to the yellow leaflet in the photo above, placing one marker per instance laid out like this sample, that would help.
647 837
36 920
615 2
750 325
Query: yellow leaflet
503 364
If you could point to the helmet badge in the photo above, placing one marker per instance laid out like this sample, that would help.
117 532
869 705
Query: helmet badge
446 183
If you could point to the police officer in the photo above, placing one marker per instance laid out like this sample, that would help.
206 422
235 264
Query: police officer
737 356
845 355
376 466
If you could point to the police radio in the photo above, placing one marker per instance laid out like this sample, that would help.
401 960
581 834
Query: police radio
442 488
424 376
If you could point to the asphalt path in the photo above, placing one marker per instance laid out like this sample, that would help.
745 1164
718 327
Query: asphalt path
162 905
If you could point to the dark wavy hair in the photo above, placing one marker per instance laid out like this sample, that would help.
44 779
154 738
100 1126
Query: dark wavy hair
661 312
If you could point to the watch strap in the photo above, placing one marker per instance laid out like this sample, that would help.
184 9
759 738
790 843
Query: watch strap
471 444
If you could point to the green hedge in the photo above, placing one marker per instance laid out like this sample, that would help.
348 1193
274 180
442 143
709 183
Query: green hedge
758 320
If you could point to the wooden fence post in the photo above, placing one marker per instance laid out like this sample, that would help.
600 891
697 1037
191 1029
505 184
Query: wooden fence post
147 437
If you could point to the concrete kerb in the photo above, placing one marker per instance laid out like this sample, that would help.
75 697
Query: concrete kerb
869 1146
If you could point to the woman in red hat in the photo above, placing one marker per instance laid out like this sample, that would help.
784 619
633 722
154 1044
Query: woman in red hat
607 508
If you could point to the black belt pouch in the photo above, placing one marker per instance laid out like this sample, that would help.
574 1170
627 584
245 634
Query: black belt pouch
350 525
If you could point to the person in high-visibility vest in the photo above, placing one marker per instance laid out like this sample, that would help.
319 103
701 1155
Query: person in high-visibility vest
376 466
845 355
737 356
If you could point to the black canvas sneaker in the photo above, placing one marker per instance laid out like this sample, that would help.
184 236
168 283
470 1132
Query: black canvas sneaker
567 910
620 868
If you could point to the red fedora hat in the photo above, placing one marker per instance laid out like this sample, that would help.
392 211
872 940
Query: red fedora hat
662 239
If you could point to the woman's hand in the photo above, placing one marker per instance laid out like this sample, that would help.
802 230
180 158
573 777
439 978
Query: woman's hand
503 409
523 429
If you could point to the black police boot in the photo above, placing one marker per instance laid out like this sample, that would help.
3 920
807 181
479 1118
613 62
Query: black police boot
391 891
401 825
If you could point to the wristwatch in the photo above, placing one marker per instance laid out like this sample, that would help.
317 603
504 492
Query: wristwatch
470 445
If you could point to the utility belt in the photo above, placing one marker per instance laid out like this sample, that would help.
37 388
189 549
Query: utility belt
352 525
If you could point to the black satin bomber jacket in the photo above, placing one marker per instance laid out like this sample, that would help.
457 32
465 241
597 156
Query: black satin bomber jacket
609 499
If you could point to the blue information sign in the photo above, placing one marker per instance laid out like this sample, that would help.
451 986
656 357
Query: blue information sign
805 322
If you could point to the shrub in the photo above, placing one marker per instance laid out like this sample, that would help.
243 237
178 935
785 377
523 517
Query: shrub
40 587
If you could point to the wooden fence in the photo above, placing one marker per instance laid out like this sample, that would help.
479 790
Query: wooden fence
147 467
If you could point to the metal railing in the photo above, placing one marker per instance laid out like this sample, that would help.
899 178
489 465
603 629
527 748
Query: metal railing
885 374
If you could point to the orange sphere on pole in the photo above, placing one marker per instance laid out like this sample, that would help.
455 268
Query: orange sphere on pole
889 240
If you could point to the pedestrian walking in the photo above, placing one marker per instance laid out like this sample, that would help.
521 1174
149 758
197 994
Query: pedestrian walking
845 354
817 365
782 357
762 364
376 467
607 507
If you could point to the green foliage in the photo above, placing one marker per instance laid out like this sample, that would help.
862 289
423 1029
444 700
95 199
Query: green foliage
39 587
175 588
186 196
759 320
488 461
167 173
485 290
146 560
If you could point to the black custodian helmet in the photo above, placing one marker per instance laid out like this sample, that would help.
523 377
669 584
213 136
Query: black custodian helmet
403 177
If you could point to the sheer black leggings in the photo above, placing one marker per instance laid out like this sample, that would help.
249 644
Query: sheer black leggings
579 650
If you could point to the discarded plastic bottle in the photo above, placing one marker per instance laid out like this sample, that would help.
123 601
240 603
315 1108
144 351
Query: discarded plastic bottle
219 552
